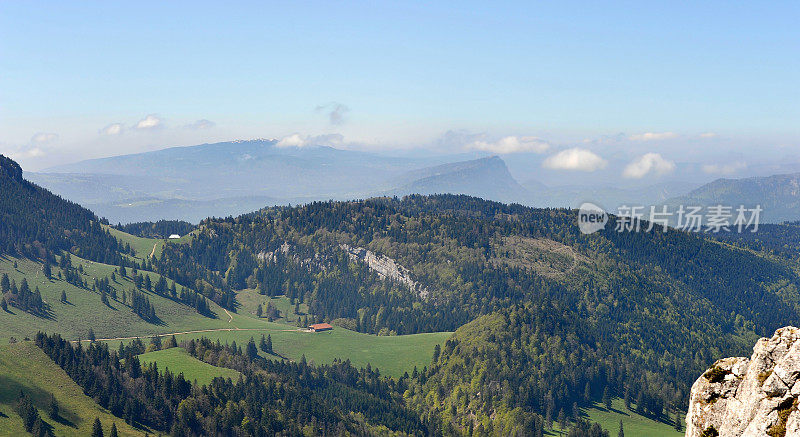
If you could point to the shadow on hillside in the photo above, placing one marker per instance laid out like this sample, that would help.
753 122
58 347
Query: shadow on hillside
39 396
665 419
277 355
66 422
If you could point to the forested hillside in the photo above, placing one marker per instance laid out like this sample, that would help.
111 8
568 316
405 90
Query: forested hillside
547 321
632 315
36 223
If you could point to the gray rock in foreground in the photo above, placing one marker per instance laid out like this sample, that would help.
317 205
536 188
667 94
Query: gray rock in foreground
750 397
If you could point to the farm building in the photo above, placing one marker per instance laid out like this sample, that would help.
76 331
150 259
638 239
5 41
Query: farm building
318 327
174 237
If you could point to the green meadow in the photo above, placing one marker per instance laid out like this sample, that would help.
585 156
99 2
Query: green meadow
393 355
633 424
249 300
177 360
84 308
23 366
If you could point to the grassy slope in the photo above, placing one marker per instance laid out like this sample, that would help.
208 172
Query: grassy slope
24 366
142 246
177 360
634 424
250 299
392 355
84 310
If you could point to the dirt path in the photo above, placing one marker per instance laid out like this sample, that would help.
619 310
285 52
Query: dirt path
153 252
230 319
188 332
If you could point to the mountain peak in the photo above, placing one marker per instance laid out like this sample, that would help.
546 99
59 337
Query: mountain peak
9 168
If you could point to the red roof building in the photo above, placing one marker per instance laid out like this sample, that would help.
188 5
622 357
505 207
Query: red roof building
317 327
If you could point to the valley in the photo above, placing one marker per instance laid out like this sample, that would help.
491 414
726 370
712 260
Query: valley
473 315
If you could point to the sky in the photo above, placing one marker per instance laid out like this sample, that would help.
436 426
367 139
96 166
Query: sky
562 88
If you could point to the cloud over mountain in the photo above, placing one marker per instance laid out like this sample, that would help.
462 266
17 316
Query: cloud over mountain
575 159
150 122
510 144
112 129
646 164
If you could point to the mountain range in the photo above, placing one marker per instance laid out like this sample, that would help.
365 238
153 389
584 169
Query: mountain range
231 178
778 196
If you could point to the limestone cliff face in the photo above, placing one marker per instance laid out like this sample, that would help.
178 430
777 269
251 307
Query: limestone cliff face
386 268
750 397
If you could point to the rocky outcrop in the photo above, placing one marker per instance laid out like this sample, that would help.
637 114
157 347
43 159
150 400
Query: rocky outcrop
750 397
386 268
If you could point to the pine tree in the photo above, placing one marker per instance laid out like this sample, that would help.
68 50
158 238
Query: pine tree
63 296
678 421
91 335
259 311
621 432
46 269
252 352
52 409
562 419
3 304
113 432
97 428
5 284
269 344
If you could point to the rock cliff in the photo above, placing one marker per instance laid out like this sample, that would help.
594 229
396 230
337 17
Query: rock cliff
386 268
756 396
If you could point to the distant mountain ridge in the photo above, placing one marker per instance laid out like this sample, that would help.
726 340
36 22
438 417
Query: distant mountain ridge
778 195
486 178
235 177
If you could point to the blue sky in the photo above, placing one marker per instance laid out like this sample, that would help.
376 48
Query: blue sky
78 78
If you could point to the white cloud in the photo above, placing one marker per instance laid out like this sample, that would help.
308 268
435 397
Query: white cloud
297 140
336 112
708 135
150 122
653 136
201 124
294 140
724 169
649 162
575 159
43 138
112 129
462 139
511 144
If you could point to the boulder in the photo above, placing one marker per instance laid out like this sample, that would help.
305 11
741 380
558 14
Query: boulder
756 396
